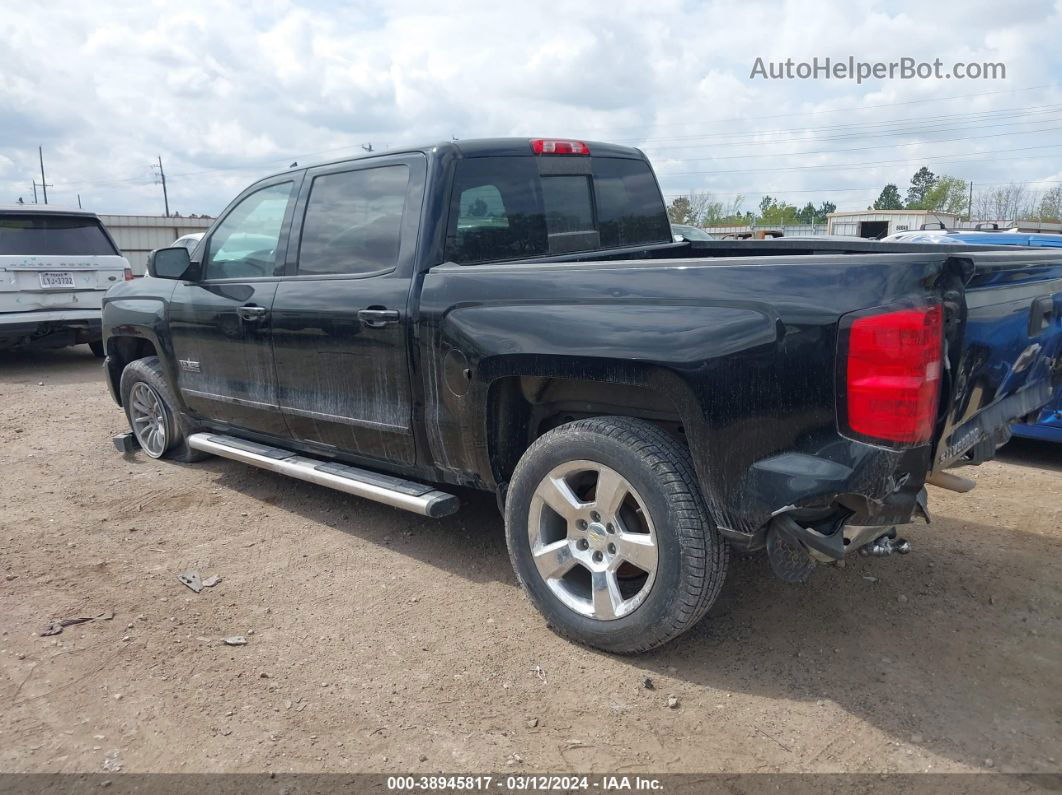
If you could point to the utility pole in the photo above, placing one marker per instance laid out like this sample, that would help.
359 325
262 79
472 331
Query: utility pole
162 179
969 211
38 184
79 201
44 182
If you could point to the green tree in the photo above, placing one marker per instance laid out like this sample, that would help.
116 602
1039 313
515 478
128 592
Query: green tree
776 213
947 195
921 182
679 210
806 215
716 213
1050 207
889 199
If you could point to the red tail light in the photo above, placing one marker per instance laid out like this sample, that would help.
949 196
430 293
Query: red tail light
892 374
552 146
128 274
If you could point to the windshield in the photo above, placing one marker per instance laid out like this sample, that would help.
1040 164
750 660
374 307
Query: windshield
37 234
690 232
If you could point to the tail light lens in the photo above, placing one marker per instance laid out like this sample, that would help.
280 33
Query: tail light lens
128 274
552 146
892 376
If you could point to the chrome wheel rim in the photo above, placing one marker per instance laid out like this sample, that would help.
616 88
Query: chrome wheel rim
148 418
592 540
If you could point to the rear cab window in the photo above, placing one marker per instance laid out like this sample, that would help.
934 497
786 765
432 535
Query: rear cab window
507 207
45 234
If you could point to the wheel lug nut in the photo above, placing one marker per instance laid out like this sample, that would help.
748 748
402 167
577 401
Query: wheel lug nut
582 543
595 516
612 549
610 528
598 557
581 524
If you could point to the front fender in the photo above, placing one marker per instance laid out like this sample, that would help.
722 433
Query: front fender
134 320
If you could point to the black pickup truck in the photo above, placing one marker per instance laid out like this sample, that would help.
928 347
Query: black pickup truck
513 315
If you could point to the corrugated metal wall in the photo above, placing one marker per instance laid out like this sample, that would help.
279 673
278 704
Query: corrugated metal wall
138 235
789 231
898 221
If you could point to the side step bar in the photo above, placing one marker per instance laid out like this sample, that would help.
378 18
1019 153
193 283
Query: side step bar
396 492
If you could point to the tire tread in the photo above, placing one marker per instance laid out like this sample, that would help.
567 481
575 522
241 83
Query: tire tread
704 553
149 370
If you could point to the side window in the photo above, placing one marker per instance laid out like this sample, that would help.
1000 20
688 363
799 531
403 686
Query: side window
353 221
245 244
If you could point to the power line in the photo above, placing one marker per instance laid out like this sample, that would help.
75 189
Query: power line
253 164
850 166
883 134
876 188
970 116
863 148
856 108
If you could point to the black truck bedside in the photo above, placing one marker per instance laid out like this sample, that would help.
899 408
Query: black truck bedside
513 315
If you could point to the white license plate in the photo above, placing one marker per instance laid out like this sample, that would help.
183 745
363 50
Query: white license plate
53 280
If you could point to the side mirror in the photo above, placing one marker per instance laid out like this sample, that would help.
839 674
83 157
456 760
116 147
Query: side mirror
169 263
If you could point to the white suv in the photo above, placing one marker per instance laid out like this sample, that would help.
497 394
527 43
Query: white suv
55 266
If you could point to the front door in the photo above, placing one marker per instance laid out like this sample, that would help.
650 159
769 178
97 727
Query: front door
221 324
340 321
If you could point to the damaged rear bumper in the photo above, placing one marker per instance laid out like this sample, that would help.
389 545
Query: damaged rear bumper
49 328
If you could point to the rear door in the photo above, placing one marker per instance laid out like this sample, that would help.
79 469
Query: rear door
221 324
1010 355
55 261
341 327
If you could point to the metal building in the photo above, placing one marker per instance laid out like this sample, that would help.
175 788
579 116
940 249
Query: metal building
138 235
875 224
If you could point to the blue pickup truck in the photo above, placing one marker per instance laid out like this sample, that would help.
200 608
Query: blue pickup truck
1048 424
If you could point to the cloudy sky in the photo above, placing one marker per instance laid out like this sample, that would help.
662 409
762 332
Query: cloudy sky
228 92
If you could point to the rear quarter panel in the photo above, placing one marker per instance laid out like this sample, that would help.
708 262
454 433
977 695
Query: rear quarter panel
744 349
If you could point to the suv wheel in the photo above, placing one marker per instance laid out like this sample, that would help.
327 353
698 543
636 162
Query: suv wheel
610 536
150 406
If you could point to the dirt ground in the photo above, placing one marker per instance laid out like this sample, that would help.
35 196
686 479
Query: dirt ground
380 641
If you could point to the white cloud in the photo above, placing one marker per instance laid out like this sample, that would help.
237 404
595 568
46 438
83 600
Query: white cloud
227 92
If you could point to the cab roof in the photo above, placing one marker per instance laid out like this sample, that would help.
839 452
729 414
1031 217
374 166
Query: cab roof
478 147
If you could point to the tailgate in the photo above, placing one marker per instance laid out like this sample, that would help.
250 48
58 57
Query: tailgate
30 283
1008 355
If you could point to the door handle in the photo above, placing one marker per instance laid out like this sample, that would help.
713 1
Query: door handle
252 312
376 317
1041 315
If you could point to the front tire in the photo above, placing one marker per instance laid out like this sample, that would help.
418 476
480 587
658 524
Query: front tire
151 408
609 534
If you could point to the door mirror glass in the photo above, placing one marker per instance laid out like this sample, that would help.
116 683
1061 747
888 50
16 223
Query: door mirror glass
169 263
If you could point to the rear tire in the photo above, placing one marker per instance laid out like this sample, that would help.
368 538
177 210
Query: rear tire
582 553
97 349
151 408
